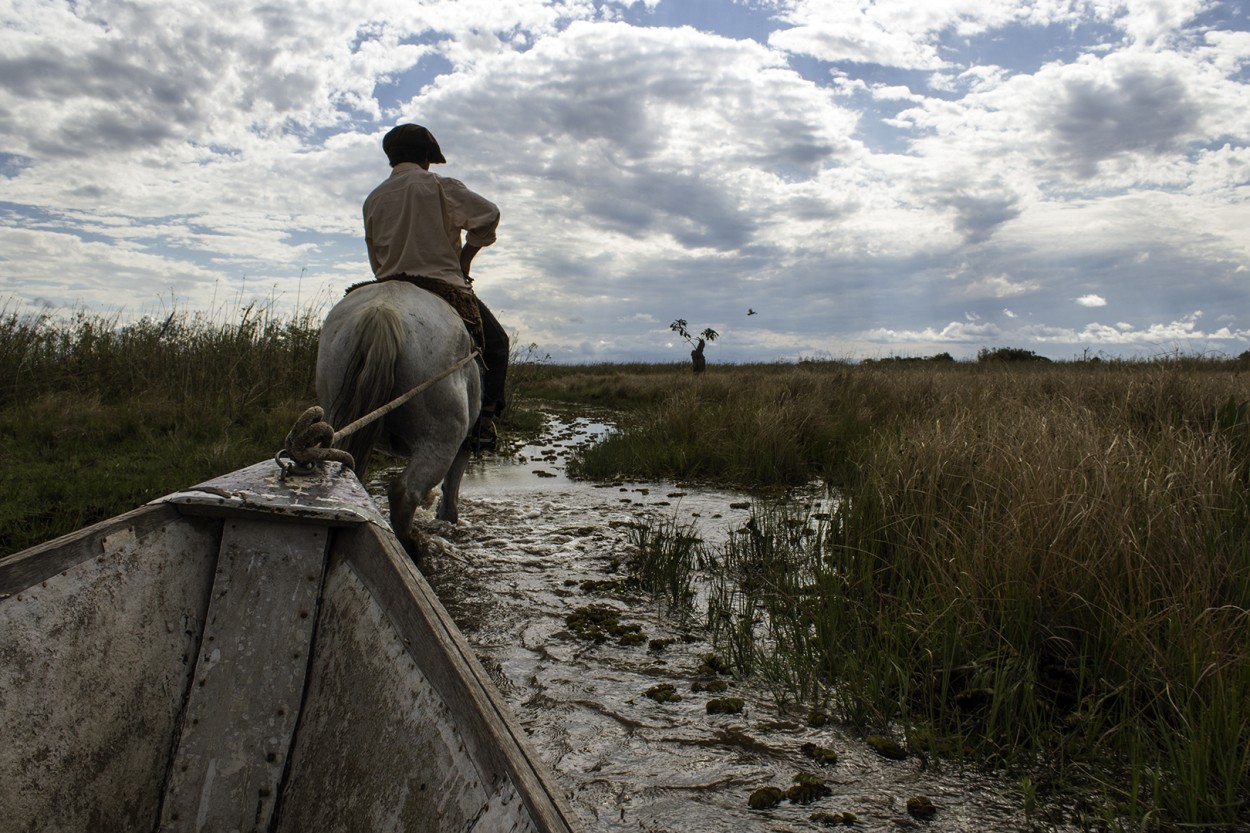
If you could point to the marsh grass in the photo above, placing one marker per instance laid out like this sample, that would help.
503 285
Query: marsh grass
756 425
98 416
1045 570
1042 568
666 556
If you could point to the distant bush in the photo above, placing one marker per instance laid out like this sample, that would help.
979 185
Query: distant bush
1008 354
940 358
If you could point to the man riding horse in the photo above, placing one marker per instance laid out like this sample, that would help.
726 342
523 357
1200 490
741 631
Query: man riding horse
413 226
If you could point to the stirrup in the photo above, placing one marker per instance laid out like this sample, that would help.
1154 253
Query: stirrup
483 437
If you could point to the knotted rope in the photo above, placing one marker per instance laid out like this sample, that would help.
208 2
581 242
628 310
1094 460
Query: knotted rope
310 441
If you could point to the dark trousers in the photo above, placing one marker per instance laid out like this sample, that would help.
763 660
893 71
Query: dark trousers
494 357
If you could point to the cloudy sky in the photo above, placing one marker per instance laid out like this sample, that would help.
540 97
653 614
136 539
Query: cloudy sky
870 177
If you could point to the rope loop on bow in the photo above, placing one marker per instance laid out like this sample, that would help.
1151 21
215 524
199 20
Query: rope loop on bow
309 445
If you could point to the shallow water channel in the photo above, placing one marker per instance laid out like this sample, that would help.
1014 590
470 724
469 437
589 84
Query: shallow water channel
513 570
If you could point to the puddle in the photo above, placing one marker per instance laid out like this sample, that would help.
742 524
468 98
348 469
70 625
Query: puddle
514 569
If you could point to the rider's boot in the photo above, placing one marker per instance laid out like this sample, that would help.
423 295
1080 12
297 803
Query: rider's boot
484 436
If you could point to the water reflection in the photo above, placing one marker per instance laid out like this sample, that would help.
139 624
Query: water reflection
532 548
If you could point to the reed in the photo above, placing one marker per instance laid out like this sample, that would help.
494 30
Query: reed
666 556
760 425
98 416
1045 570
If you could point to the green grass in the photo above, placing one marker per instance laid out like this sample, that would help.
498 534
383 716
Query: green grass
1038 567
1044 570
99 416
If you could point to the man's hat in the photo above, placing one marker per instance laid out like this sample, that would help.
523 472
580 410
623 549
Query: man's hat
411 143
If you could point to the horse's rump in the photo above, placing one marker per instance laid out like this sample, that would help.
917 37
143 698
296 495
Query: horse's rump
370 378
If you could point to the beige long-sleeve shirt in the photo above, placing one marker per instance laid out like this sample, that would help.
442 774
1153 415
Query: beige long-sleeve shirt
414 221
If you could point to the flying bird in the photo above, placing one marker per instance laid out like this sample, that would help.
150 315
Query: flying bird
750 311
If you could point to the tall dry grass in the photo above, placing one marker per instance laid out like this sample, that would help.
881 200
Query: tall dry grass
99 415
1045 568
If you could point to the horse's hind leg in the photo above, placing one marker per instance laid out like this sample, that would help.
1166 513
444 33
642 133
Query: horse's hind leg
426 469
403 505
449 503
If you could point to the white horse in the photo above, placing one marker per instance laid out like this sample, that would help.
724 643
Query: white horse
379 342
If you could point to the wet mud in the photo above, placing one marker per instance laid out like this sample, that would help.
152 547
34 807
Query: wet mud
642 732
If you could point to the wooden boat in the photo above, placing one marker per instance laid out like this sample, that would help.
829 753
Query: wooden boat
251 654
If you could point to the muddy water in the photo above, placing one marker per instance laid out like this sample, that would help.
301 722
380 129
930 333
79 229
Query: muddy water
511 573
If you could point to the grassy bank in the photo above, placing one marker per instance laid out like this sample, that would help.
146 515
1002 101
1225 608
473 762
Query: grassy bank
97 417
1041 568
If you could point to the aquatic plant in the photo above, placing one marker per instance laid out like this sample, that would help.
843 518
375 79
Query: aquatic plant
1045 568
807 788
765 798
664 560
921 807
819 754
663 693
600 622
725 705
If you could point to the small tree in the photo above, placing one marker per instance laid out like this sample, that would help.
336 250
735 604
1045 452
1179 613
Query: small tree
696 355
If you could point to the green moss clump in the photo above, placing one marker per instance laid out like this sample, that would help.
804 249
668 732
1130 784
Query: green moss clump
664 693
712 664
712 686
807 788
921 807
887 747
833 819
817 718
725 705
819 754
598 622
631 639
658 645
765 798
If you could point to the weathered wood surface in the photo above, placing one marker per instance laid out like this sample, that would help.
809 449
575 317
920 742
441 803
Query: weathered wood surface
249 678
30 567
95 660
153 677
434 644
329 496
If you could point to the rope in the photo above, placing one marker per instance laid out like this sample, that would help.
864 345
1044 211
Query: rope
309 443
398 401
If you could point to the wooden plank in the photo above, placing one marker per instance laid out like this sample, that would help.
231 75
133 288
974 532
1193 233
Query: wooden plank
249 679
95 662
328 496
497 743
375 734
39 563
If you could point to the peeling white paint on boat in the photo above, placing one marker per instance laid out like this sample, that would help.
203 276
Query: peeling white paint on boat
250 653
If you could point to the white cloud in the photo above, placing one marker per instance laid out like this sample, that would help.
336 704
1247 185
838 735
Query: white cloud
897 33
647 173
1000 286
956 332
1092 301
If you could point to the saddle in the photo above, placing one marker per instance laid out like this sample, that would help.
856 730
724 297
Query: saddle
463 301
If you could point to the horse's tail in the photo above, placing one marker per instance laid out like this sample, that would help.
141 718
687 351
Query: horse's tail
369 379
